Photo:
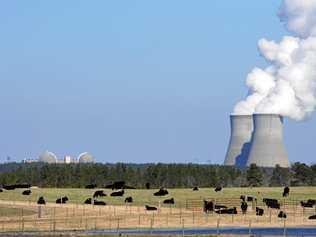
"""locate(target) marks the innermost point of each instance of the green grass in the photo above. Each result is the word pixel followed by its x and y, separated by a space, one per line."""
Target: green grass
pixel 142 197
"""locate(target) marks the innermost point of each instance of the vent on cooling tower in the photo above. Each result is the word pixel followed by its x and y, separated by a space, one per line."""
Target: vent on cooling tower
pixel 267 149
pixel 239 144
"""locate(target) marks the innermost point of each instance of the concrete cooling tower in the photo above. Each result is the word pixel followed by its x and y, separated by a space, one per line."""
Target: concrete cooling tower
pixel 239 144
pixel 267 149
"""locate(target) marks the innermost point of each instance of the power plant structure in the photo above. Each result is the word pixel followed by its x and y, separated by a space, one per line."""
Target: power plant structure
pixel 256 139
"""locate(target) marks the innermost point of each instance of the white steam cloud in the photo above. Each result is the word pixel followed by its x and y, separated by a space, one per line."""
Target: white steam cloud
pixel 288 85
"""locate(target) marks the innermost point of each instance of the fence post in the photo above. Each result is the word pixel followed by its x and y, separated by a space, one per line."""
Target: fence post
pixel 249 228
pixel 217 226
pixel 284 228
pixel 182 228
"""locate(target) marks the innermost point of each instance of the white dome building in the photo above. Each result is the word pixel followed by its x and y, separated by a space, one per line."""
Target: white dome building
pixel 85 158
pixel 48 157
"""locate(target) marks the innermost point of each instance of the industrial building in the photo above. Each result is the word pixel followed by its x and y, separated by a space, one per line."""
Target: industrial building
pixel 256 139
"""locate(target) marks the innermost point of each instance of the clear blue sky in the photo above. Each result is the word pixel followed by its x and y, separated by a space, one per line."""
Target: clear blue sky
pixel 131 81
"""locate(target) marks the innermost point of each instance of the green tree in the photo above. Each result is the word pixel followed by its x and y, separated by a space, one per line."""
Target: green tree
pixel 254 176
pixel 280 177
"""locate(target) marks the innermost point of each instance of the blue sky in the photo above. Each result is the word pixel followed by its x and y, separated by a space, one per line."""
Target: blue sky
pixel 132 81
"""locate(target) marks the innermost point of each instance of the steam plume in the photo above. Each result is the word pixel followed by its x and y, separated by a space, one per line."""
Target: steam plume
pixel 288 85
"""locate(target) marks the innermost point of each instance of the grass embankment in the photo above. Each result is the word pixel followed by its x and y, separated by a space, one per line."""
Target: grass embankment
pixel 142 196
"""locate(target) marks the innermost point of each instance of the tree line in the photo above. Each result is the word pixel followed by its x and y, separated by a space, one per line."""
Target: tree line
pixel 158 175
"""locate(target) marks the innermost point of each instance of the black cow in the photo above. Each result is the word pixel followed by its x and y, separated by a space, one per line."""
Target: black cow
pixel 1 190
pixel 218 189
pixel 99 193
pixel 208 206
pixel 161 192
pixel 9 187
pixel 244 207
pixel 282 214
pixel 41 201
pixel 313 217
pixel 218 206
pixel 23 185
pixel 272 203
pixel 259 211
pixel 243 198
pixel 116 185
pixel 232 211
pixel 91 186
pixel 286 192
pixel 62 200
pixel 99 203
pixel 150 208
pixel 129 200
pixel 26 192
pixel 195 189
pixel 147 185
pixel 169 201
pixel 88 201
pixel 251 199
pixel 117 194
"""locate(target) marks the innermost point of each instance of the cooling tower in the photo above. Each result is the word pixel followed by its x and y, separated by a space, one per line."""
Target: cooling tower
pixel 239 144
pixel 267 149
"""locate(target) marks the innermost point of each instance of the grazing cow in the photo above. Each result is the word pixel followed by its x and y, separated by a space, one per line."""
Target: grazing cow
pixel 62 200
pixel 232 211
pixel 244 207
pixel 195 189
pixel 313 217
pixel 208 206
pixel 9 187
pixel 282 214
pixel 91 186
pixel 169 201
pixel 161 192
pixel 99 203
pixel 150 208
pixel 23 185
pixel 310 203
pixel 286 192
pixel 259 211
pixel 99 193
pixel 41 201
pixel 218 189
pixel 116 185
pixel 217 206
pixel 1 190
pixel 147 185
pixel 243 198
pixel 88 201
pixel 117 194
pixel 128 200
pixel 272 203
pixel 26 192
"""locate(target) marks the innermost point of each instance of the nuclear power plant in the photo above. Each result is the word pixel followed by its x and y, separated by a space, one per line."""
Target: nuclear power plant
pixel 256 139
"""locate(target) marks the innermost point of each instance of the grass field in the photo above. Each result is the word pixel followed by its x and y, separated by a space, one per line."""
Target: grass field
pixel 142 197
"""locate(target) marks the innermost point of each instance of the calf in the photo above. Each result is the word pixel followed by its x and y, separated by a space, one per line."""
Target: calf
pixel 244 207
pixel 117 194
pixel 195 189
pixel 208 206
pixel 282 214
pixel 218 189
pixel 313 217
pixel 161 192
pixel 62 200
pixel 231 211
pixel 169 201
pixel 41 201
pixel 150 208
pixel 99 203
pixel 259 211
pixel 91 186
pixel 26 192
pixel 286 192
pixel 88 201
pixel 99 193
pixel 128 200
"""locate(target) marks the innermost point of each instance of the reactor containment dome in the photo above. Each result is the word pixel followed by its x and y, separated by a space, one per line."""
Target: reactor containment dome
pixel 85 157
pixel 47 157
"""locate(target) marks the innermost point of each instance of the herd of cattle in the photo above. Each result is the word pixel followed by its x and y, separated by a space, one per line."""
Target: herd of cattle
pixel 208 206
